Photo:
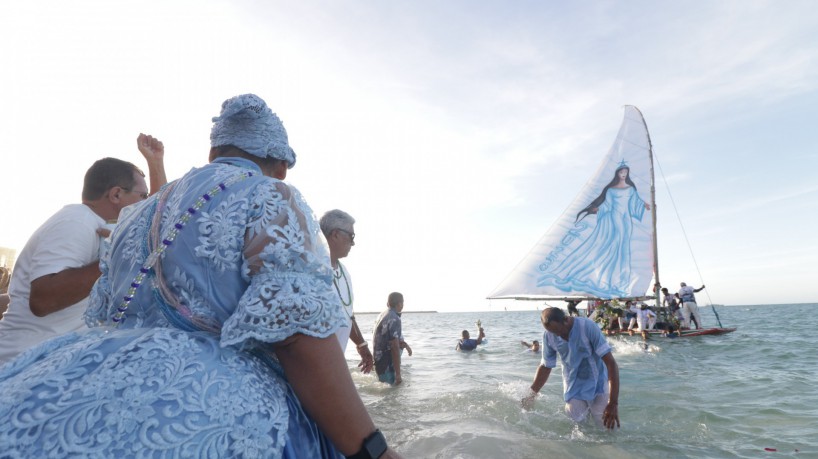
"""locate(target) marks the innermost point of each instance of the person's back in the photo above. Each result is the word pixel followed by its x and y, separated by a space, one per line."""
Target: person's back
pixel 202 253
pixel 468 344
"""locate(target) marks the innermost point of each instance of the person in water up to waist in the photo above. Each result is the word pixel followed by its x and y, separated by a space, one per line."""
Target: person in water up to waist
pixel 589 371
pixel 468 344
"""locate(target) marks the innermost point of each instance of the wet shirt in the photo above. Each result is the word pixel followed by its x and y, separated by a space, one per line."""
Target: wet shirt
pixel 584 375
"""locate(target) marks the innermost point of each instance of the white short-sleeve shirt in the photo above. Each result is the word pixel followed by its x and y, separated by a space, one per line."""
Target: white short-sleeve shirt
pixel 66 240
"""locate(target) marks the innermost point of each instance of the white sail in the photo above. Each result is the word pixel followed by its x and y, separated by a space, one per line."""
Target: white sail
pixel 603 245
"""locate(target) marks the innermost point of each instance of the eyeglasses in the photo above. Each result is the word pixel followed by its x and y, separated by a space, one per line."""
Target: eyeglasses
pixel 141 194
pixel 351 235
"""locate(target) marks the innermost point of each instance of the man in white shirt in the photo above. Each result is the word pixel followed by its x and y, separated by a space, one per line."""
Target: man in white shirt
pixel 59 264
pixel 339 231
pixel 689 306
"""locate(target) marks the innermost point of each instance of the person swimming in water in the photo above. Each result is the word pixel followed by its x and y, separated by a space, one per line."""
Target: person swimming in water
pixel 468 344
pixel 533 347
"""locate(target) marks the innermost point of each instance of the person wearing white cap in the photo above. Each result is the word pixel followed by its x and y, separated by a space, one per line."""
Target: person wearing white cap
pixel 217 317
pixel 689 306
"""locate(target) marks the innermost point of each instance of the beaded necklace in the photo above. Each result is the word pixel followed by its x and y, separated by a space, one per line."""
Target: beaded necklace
pixel 168 239
pixel 338 275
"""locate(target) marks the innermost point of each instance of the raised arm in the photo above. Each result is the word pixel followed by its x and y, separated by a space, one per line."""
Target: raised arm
pixel 154 152
pixel 480 336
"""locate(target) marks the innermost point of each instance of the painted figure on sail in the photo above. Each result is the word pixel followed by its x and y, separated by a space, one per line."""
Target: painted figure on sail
pixel 601 264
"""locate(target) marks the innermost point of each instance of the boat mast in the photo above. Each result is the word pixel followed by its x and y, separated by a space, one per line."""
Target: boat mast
pixel 657 284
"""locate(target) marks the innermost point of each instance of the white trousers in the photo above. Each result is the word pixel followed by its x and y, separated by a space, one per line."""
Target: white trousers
pixel 689 307
pixel 578 410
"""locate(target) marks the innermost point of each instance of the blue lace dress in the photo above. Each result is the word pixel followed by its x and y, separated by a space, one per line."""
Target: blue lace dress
pixel 188 373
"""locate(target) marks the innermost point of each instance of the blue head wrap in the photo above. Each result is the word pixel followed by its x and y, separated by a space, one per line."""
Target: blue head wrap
pixel 247 123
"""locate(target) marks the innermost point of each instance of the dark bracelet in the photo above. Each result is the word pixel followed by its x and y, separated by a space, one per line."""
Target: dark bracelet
pixel 374 446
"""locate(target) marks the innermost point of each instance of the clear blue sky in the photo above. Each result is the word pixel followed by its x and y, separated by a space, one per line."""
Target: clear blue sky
pixel 454 132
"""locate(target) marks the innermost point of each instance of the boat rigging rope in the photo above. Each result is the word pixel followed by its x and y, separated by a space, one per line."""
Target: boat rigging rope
pixel 684 233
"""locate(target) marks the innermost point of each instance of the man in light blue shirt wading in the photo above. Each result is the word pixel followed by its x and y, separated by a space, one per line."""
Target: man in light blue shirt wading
pixel 588 367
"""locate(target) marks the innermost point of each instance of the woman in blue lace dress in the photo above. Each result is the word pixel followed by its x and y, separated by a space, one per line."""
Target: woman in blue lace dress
pixel 211 326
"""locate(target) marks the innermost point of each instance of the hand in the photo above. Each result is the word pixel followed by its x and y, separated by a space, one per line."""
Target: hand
pixel 610 417
pixel 398 380
pixel 104 232
pixel 403 345
pixel 151 148
pixel 367 362
pixel 528 401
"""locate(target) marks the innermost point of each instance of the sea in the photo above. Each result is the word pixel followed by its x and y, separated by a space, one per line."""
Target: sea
pixel 747 394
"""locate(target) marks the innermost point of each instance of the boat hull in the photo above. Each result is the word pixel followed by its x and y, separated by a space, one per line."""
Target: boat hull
pixel 684 333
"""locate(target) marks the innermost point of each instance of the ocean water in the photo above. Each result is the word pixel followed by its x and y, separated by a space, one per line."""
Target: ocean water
pixel 747 394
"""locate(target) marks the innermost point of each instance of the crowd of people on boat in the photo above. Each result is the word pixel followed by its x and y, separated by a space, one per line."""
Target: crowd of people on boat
pixel 675 311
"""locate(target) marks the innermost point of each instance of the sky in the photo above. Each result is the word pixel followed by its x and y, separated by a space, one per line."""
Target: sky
pixel 455 133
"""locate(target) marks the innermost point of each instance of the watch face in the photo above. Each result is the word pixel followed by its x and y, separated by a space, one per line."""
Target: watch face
pixel 375 445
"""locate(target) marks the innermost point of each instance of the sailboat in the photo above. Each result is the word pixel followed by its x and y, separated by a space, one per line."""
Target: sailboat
pixel 604 246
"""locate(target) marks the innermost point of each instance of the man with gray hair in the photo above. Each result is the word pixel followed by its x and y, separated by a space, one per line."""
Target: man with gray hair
pixel 339 230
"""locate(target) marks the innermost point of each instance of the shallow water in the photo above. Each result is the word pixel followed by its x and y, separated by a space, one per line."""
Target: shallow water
pixel 713 396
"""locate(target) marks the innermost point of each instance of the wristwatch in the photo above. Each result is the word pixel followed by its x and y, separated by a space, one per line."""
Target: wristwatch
pixel 374 446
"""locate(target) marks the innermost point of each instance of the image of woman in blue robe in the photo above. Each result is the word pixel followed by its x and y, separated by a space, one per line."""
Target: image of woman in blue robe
pixel 212 326
pixel 601 264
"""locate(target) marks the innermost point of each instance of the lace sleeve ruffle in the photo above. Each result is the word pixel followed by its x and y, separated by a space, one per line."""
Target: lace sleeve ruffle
pixel 290 287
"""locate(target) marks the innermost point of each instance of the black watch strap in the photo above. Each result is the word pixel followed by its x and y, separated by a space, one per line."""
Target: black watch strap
pixel 374 446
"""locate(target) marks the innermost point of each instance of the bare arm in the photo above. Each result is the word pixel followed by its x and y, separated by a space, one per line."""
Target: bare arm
pixel 367 362
pixel 403 345
pixel 540 379
pixel 395 345
pixel 154 152
pixel 610 417
pixel 55 292
pixel 316 369
pixel 480 336
pixel 699 289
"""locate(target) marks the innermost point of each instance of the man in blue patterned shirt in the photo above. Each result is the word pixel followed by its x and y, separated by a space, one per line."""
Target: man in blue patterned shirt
pixel 386 341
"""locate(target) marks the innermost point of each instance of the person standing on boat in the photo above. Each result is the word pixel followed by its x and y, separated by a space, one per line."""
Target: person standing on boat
pixel 669 301
pixel 572 308
pixel 55 271
pixel 589 371
pixel 339 230
pixel 689 306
